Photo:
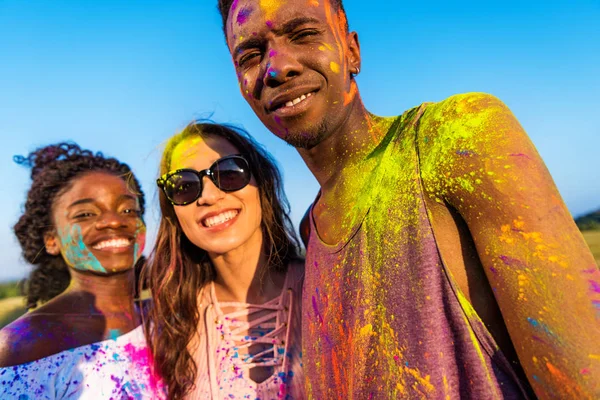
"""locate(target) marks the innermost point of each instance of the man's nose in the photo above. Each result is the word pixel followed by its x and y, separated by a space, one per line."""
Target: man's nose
pixel 282 65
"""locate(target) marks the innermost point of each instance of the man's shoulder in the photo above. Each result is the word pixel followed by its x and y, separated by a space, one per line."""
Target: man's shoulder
pixel 468 100
pixel 456 108
pixel 461 105
pixel 461 116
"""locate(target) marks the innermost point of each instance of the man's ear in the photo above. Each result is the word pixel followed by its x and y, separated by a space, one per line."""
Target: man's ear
pixel 51 243
pixel 354 59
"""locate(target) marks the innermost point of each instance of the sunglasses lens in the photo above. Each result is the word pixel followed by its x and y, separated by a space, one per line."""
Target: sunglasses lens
pixel 183 187
pixel 232 174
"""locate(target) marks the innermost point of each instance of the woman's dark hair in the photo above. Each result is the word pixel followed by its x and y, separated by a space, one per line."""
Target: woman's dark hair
pixel 225 5
pixel 178 270
pixel 54 168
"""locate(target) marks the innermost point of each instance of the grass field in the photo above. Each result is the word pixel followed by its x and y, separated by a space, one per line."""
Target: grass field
pixel 12 308
pixel 593 240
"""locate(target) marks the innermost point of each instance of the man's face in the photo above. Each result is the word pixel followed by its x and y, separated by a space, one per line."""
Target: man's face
pixel 294 61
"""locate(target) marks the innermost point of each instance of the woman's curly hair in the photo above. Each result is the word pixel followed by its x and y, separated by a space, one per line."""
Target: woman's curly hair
pixel 53 170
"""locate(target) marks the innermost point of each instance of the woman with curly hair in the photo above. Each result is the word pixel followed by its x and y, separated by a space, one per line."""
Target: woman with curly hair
pixel 83 232
pixel 225 273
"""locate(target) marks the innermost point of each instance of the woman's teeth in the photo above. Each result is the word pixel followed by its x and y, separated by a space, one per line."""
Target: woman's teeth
pixel 297 100
pixel 219 219
pixel 112 243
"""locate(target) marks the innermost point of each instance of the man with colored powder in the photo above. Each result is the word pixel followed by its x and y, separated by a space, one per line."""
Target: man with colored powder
pixel 442 261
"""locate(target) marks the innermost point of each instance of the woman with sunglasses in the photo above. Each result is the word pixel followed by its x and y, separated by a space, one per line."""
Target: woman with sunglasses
pixel 225 273
pixel 82 229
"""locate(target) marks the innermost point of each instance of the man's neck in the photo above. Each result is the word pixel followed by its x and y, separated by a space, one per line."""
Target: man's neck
pixel 344 164
pixel 346 147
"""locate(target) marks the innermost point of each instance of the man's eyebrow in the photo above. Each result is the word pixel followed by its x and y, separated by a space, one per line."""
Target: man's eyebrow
pixel 290 26
pixel 250 43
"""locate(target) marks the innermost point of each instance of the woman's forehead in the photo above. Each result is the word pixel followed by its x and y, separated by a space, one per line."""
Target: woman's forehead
pixel 194 151
pixel 95 185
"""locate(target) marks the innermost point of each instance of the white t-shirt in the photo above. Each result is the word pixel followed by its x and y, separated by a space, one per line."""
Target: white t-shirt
pixel 115 369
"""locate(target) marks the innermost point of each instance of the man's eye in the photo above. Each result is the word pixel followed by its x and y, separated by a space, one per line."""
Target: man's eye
pixel 247 57
pixel 304 34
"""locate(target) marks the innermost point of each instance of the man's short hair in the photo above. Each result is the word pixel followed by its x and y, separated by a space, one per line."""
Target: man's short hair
pixel 225 5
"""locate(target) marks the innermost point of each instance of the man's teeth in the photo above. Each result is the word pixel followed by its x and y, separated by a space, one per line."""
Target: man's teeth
pixel 112 243
pixel 219 219
pixel 297 100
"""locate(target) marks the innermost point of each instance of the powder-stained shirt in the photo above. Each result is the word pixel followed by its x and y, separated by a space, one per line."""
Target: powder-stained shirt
pixel 220 348
pixel 382 315
pixel 111 369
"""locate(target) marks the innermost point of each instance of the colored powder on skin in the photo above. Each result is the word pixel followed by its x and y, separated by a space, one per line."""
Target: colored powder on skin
pixel 140 240
pixel 336 29
pixel 569 387
pixel 349 96
pixel 76 253
pixel 270 7
pixel 512 262
pixel 538 339
pixel 520 155
pixel 113 334
pixel 594 286
pixel 243 15
pixel 334 67
pixel 456 138
pixel 543 327
pixel 325 46
pixel 184 154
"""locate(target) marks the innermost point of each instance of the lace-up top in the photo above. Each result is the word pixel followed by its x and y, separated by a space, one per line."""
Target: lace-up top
pixel 227 331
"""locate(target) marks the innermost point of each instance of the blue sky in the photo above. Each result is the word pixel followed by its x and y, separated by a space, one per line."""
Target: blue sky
pixel 121 77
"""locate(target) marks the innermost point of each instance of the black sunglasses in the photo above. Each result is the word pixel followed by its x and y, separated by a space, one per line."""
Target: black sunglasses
pixel 184 186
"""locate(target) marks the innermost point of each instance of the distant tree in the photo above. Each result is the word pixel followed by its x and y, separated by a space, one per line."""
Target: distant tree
pixel 9 289
pixel 589 221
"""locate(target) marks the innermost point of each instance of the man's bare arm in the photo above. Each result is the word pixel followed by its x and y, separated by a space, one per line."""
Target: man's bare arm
pixel 477 157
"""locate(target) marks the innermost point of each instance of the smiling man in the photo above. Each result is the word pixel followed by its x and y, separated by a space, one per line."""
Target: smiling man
pixel 441 261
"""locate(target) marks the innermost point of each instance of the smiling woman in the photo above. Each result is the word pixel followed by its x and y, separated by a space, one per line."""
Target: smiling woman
pixel 225 274
pixel 83 231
